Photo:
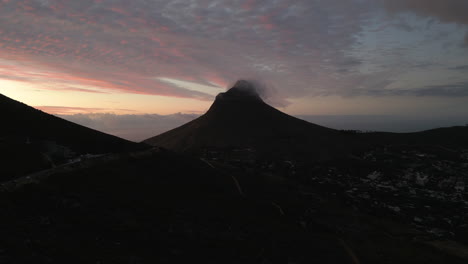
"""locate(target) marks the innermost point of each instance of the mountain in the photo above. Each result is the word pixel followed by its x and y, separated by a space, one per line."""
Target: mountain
pixel 239 118
pixel 32 140
pixel 154 205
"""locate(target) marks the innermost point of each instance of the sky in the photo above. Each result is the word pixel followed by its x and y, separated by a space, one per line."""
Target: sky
pixel 120 61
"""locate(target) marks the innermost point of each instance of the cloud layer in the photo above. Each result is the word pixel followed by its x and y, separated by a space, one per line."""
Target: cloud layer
pixel 299 48
pixel 451 11
pixel 131 127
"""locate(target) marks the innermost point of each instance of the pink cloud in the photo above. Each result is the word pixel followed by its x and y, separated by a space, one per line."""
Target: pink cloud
pixel 119 10
pixel 266 22
pixel 122 46
pixel 248 5
pixel 67 110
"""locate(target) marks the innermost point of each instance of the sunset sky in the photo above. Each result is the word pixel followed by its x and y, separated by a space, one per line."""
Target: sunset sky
pixel 139 58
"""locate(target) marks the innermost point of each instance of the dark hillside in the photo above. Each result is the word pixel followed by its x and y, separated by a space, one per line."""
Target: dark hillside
pixel 159 207
pixel 31 140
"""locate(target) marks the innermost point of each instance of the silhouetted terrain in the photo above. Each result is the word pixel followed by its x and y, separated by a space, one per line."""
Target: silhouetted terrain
pixel 239 118
pixel 246 183
pixel 160 207
pixel 447 137
pixel 31 140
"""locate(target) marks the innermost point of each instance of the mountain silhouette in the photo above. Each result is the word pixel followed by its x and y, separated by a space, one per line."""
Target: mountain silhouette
pixel 31 140
pixel 239 118
pixel 155 205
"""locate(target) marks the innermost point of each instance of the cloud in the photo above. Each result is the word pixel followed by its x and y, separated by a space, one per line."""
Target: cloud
pixel 450 11
pixel 67 110
pixel 447 11
pixel 448 90
pixel 453 90
pixel 459 68
pixel 131 127
pixel 301 48
pixel 123 46
pixel 266 90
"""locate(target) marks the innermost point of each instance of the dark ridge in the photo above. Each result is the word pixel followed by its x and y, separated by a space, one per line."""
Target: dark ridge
pixel 20 120
pixel 32 140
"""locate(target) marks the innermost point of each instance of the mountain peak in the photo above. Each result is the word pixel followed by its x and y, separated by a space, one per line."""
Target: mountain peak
pixel 241 91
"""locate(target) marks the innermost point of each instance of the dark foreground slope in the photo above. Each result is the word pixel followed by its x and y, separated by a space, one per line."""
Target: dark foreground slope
pixel 240 119
pixel 31 140
pixel 158 207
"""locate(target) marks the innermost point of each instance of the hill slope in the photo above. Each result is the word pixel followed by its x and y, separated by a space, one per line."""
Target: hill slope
pixel 31 140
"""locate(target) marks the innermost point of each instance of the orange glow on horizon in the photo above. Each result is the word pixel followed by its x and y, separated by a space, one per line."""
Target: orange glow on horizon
pixel 58 101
